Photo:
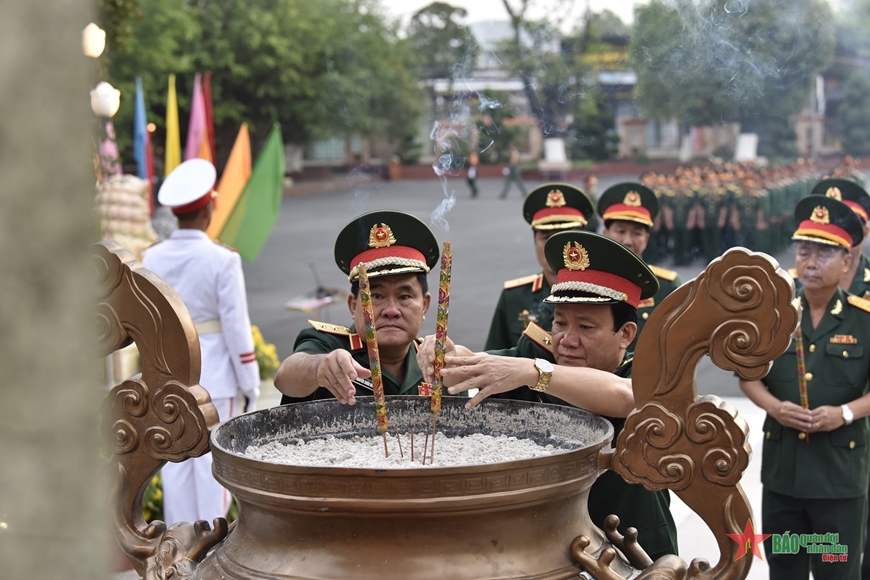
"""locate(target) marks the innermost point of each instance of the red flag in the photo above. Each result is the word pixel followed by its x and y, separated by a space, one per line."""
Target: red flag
pixel 209 115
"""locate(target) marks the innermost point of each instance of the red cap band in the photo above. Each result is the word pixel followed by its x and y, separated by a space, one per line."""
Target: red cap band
pixel 621 211
pixel 195 204
pixel 604 279
pixel 856 207
pixel 401 252
pixel 568 212
pixel 828 232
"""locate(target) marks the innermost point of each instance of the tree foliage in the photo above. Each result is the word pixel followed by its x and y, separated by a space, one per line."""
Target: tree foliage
pixel 550 78
pixel 444 47
pixel 707 61
pixel 320 69
pixel 855 115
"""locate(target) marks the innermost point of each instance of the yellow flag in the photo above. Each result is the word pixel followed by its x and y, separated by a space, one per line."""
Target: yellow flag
pixel 232 183
pixel 173 134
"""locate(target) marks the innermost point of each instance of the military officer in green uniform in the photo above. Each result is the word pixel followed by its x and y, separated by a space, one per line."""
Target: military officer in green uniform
pixel 598 288
pixel 398 251
pixel 682 203
pixel 550 208
pixel 815 465
pixel 629 211
pixel 857 279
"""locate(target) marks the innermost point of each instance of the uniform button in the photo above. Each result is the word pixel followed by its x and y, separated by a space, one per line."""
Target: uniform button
pixel 767 435
pixel 812 348
pixel 851 445
pixel 808 376
pixel 802 436
pixel 845 354
pixel 645 315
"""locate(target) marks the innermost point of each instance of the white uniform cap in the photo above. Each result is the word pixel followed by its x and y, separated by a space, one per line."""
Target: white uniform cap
pixel 188 183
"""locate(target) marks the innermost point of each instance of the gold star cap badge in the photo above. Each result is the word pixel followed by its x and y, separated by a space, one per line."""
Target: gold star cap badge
pixel 835 193
pixel 556 199
pixel 381 236
pixel 820 215
pixel 575 256
pixel 632 198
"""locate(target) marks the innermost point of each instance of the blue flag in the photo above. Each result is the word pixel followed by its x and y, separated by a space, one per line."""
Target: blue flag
pixel 140 133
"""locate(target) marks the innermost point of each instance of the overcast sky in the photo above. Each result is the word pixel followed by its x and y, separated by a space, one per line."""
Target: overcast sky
pixel 494 9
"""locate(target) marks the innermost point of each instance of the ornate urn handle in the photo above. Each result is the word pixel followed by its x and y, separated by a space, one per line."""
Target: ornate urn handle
pixel 742 311
pixel 162 415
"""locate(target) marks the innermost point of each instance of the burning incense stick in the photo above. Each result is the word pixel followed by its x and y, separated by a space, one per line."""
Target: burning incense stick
pixel 374 355
pixel 440 336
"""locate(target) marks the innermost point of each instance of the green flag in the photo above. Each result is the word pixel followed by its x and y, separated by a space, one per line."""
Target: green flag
pixel 256 212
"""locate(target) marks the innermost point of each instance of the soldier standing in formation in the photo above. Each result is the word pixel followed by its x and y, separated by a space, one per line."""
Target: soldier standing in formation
pixel 815 464
pixel 629 211
pixel 208 277
pixel 550 208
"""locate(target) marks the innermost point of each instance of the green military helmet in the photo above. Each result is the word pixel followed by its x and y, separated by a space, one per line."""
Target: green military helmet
pixel 824 220
pixel 593 269
pixel 848 192
pixel 629 201
pixel 387 242
pixel 557 206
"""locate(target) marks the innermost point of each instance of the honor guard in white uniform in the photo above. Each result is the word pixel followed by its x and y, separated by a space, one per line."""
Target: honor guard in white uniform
pixel 208 277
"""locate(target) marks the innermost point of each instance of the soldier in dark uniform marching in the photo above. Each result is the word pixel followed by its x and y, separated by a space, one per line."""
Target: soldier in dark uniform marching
pixel 629 211
pixel 815 465
pixel 550 208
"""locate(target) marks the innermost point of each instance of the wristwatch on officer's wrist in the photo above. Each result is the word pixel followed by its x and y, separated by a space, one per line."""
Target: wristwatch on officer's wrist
pixel 545 373
pixel 848 415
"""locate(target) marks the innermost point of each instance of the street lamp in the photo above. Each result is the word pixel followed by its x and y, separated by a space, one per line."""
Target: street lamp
pixel 105 100
pixel 93 40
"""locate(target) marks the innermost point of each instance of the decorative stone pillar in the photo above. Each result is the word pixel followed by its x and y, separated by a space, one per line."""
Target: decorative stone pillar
pixel 52 497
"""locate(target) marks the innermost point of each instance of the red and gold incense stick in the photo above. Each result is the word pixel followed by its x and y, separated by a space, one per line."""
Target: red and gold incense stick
pixel 802 370
pixel 440 336
pixel 374 355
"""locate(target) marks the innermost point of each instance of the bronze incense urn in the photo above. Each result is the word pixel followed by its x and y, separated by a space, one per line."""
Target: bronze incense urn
pixel 509 520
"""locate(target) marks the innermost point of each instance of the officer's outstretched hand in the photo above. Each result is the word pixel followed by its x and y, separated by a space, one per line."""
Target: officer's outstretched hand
pixel 426 355
pixel 336 371
pixel 490 374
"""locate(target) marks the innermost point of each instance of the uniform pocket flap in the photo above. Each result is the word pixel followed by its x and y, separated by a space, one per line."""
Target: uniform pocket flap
pixel 848 437
pixel 845 351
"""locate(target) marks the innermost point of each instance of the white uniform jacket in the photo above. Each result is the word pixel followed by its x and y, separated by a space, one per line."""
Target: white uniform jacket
pixel 209 279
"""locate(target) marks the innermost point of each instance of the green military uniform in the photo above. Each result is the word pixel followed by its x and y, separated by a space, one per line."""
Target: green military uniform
pixel 682 203
pixel 636 203
pixel 817 483
pixel 668 282
pixel 324 338
pixel 549 208
pixel 648 511
pixel 828 474
pixel 713 200
pixel 861 282
pixel 521 302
